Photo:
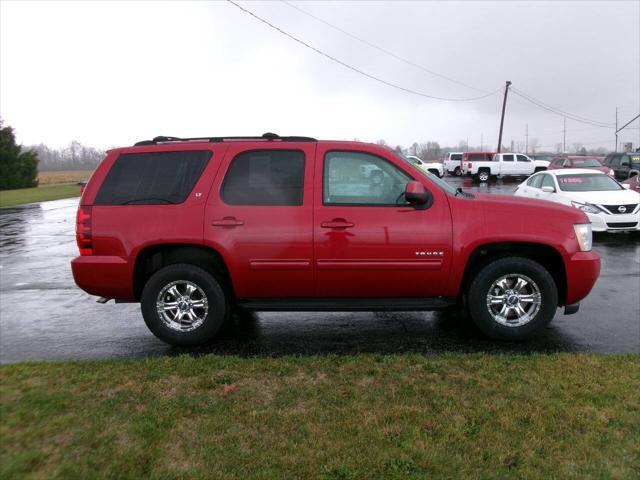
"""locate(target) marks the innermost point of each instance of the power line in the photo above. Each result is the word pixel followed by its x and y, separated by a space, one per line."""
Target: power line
pixel 557 111
pixel 381 49
pixel 352 68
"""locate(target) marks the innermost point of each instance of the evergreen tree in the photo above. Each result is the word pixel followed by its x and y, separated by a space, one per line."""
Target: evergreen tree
pixel 18 169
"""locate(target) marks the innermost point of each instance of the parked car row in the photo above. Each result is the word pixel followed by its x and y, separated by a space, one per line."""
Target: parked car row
pixel 482 166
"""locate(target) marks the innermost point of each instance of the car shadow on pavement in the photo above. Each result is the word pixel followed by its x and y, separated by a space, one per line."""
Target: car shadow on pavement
pixel 269 334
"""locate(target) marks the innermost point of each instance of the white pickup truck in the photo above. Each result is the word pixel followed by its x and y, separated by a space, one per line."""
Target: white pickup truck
pixel 453 163
pixel 502 165
pixel 435 168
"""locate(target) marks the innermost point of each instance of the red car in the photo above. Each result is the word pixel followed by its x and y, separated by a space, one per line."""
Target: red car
pixel 578 161
pixel 195 228
pixel 633 182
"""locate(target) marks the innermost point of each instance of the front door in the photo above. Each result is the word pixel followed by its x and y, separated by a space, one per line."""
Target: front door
pixel 367 241
pixel 259 216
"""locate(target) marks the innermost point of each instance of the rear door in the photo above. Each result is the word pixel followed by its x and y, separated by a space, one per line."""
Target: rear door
pixel 367 241
pixel 508 165
pixel 259 216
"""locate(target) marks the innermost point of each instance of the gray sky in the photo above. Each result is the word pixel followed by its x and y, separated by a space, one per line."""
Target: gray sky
pixel 112 73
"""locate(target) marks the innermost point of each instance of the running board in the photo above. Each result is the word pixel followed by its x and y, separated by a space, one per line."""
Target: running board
pixel 345 304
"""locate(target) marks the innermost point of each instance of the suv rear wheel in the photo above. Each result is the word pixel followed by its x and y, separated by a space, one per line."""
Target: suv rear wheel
pixel 183 305
pixel 457 172
pixel 512 298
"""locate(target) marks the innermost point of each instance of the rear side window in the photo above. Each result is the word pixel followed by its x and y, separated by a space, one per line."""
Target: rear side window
pixel 508 158
pixel 456 156
pixel 156 178
pixel 265 177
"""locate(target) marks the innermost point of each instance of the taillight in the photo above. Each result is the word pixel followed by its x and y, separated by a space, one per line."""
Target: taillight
pixel 469 165
pixel 83 231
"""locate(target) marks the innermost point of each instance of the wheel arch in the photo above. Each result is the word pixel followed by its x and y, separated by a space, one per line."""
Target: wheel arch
pixel 154 257
pixel 546 255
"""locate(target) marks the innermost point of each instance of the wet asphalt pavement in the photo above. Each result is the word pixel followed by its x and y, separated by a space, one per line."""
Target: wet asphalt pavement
pixel 44 316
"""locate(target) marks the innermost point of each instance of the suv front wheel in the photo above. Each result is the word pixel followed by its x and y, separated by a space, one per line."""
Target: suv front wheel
pixel 512 298
pixel 183 305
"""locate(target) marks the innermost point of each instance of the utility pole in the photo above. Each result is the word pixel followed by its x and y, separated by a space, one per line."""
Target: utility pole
pixel 526 142
pixel 616 147
pixel 564 136
pixel 481 142
pixel 504 105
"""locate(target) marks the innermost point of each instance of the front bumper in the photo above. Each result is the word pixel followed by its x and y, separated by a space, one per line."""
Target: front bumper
pixel 582 269
pixel 602 222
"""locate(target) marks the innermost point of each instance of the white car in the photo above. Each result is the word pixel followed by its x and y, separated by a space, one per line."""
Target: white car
pixel 435 168
pixel 609 206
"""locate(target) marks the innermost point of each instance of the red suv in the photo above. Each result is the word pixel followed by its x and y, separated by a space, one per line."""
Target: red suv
pixel 195 228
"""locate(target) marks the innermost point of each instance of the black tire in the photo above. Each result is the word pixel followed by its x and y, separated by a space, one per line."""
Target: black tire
pixel 217 309
pixel 457 172
pixel 539 169
pixel 483 282
pixel 484 176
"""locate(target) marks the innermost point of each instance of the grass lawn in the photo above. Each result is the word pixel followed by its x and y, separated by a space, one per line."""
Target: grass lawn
pixel 331 417
pixel 38 194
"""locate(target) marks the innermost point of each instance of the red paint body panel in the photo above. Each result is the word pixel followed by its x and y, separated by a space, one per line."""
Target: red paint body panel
pixel 270 254
pixel 317 250
pixel 379 255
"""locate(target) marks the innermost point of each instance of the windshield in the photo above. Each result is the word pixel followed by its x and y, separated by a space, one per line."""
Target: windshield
pixel 591 182
pixel 441 183
pixel 586 162
pixel 635 161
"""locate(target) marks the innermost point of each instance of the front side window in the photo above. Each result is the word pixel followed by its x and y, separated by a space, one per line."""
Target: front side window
pixel 157 178
pixel 355 178
pixel 265 177
pixel 522 158
pixel 547 181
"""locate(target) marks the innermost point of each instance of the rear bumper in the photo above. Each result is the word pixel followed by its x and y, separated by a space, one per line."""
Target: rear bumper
pixel 583 269
pixel 104 276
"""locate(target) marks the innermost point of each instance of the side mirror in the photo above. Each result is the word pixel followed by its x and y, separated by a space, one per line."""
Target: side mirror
pixel 417 195
pixel 548 189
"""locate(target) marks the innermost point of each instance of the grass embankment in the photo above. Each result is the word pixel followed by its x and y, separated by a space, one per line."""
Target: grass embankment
pixel 367 416
pixel 42 193
pixel 51 186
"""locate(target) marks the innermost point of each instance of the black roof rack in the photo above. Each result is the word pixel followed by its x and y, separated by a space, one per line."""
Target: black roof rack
pixel 265 137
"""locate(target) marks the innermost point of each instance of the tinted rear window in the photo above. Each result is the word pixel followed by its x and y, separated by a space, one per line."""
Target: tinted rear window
pixel 456 156
pixel 479 157
pixel 265 177
pixel 152 178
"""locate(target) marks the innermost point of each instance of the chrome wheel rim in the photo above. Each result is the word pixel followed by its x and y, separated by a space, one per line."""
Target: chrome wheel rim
pixel 514 300
pixel 484 176
pixel 182 305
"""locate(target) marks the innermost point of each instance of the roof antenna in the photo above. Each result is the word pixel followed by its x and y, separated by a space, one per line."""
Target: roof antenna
pixel 270 136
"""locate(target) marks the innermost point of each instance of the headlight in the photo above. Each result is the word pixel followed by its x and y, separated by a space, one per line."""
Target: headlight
pixel 585 207
pixel 612 173
pixel 584 236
